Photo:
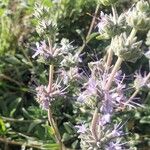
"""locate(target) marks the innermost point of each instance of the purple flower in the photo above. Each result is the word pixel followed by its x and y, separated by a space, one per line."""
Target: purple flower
pixel 91 87
pixel 114 146
pixel 117 131
pixel 40 49
pixel 82 97
pixel 103 22
pixel 42 97
pixel 141 81
pixel 81 128
pixel 107 105
pixel 106 118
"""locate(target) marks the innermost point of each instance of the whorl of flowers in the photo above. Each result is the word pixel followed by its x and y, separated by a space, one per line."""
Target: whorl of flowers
pixel 108 102
pixel 60 54
pixel 44 97
pixel 110 25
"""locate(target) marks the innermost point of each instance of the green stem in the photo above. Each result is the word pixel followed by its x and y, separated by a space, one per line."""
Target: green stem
pixel 50 81
pixel 118 63
pixel 111 77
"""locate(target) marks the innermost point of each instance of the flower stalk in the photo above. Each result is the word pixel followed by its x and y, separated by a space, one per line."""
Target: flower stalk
pixel 94 124
pixel 50 116
pixel 110 51
pixel 111 77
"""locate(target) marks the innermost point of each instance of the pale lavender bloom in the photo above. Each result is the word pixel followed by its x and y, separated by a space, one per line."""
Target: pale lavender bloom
pixel 103 22
pixel 117 76
pixel 57 89
pixel 91 90
pixel 114 146
pixel 117 131
pixel 92 87
pixel 81 128
pixel 82 97
pixel 42 97
pixel 41 49
pixel 141 81
pixel 71 74
pixel 106 118
pixel 107 105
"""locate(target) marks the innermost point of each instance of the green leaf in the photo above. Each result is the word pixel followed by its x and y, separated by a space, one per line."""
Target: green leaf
pixel 51 147
pixel 14 105
pixel 67 137
pixel 69 127
pixel 91 36
pixel 2 127
pixel 145 119
pixel 33 125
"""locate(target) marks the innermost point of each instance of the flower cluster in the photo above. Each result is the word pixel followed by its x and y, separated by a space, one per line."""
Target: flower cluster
pixel 104 91
pixel 139 16
pixel 126 48
pixel 108 103
pixel 110 25
pixel 44 97
pixel 61 54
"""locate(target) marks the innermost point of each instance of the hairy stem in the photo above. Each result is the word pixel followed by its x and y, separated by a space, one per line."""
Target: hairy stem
pixel 109 58
pixel 94 124
pixel 50 116
pixel 111 77
pixel 110 51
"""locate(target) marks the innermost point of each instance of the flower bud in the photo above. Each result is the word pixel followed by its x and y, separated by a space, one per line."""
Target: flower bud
pixel 139 17
pixel 108 27
pixel 127 49
pixel 143 6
